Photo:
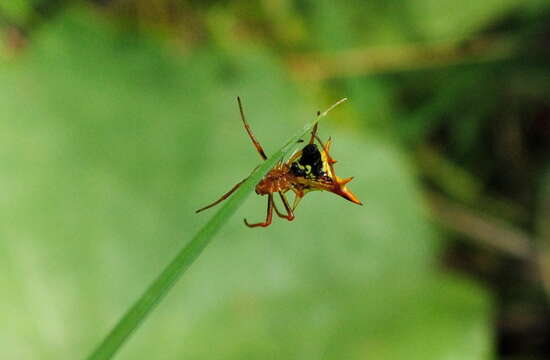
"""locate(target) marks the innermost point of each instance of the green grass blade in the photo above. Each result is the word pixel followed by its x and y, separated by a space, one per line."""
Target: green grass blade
pixel 186 256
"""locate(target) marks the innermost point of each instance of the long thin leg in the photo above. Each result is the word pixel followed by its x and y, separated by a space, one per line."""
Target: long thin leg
pixel 249 131
pixel 313 133
pixel 289 214
pixel 269 214
pixel 298 196
pixel 224 196
pixel 279 214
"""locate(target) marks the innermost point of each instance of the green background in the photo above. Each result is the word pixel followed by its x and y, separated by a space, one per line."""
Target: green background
pixel 111 137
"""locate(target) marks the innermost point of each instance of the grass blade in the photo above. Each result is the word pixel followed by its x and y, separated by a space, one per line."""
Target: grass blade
pixel 186 256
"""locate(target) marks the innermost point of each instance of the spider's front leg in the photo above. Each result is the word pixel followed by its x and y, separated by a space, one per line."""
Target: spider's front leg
pixel 255 141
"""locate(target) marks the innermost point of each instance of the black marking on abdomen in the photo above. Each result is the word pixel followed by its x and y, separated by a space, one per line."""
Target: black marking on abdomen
pixel 310 164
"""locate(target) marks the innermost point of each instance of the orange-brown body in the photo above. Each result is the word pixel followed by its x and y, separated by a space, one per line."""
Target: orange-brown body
pixel 277 179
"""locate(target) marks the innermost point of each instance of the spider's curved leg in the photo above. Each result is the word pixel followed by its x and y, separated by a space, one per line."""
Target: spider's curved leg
pixel 298 195
pixel 224 196
pixel 268 217
pixel 314 132
pixel 249 131
pixel 289 213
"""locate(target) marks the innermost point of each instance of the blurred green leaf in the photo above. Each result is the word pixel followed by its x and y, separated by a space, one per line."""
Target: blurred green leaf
pixel 437 19
pixel 17 9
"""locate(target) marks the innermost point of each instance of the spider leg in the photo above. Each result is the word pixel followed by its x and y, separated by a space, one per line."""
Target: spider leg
pixel 279 214
pixel 298 195
pixel 314 132
pixel 289 213
pixel 269 216
pixel 249 131
pixel 224 196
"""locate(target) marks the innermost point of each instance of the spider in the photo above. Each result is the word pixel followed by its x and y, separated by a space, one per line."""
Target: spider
pixel 309 169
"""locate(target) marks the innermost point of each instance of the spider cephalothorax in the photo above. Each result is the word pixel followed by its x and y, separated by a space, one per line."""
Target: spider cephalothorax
pixel 310 169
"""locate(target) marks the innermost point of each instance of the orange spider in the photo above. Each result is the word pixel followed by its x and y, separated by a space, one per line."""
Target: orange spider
pixel 307 170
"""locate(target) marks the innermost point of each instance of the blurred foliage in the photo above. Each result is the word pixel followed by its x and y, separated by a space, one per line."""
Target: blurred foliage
pixel 119 120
